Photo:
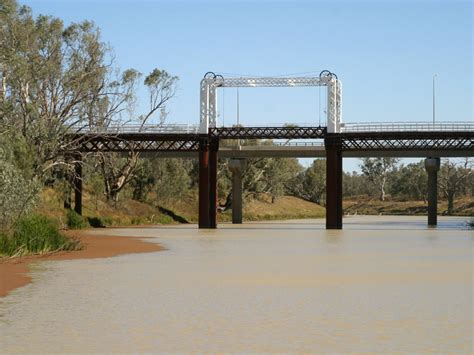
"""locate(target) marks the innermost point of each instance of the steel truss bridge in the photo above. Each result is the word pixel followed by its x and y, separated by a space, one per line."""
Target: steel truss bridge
pixel 334 141
pixel 443 141
pixel 445 137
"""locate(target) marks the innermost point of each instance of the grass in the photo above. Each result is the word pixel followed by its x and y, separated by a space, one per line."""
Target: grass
pixel 286 207
pixel 99 213
pixel 35 234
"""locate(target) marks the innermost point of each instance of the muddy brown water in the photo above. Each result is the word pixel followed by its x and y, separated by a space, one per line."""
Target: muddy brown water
pixel 382 284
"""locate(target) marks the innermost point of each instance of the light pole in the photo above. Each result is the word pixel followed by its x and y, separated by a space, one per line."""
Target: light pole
pixel 434 99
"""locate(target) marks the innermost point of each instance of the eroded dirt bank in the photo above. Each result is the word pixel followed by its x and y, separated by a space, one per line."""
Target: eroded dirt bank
pixel 14 272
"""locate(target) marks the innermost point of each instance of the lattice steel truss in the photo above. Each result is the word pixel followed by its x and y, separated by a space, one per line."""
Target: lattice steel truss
pixel 404 141
pixel 211 82
pixel 349 142
pixel 139 143
pixel 267 132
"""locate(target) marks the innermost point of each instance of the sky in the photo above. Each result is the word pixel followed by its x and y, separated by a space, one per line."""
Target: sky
pixel 384 52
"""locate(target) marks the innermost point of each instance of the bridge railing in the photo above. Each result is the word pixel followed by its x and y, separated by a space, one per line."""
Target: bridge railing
pixel 299 144
pixel 407 126
pixel 134 128
pixel 345 127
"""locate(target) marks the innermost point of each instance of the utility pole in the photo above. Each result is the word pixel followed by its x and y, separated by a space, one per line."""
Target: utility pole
pixel 434 99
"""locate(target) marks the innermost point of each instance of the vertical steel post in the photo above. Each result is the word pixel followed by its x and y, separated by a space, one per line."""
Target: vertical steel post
pixel 204 183
pixel 214 147
pixel 78 183
pixel 333 183
pixel 432 166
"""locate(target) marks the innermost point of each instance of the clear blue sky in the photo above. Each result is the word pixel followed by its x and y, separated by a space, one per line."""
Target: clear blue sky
pixel 384 52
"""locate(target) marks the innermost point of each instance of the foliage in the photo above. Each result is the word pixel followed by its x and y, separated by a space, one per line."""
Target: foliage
pixel 310 184
pixel 18 193
pixel 453 179
pixel 172 177
pixel 377 171
pixel 410 182
pixel 75 221
pixel 34 234
pixel 51 76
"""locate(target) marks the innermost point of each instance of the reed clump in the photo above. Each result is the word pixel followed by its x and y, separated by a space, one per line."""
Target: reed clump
pixel 35 234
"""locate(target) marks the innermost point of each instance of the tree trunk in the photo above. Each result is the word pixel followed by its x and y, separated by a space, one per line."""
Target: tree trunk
pixel 382 190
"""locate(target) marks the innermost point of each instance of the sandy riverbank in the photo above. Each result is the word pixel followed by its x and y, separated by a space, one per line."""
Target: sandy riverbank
pixel 14 272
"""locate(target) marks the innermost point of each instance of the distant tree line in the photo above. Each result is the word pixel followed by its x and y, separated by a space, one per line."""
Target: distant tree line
pixel 378 178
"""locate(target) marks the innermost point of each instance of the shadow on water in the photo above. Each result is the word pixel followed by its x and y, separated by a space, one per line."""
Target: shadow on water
pixel 311 225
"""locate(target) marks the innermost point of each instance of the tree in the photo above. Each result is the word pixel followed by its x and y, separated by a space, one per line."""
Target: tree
pixel 117 171
pixel 49 76
pixel 377 171
pixel 452 179
pixel 18 191
pixel 410 181
pixel 310 184
pixel 57 80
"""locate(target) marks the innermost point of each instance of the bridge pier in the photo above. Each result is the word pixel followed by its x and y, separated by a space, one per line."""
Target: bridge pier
pixel 432 166
pixel 333 184
pixel 214 148
pixel 77 182
pixel 204 183
pixel 236 166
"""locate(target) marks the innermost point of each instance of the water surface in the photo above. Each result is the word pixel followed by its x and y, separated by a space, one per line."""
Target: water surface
pixel 381 284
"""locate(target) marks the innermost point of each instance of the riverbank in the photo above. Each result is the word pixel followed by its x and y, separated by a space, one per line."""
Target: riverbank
pixel 14 271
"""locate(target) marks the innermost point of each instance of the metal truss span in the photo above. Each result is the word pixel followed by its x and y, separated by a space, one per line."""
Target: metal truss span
pixel 139 143
pixel 404 141
pixel 267 132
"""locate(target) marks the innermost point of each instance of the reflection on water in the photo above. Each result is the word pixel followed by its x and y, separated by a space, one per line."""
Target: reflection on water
pixel 381 284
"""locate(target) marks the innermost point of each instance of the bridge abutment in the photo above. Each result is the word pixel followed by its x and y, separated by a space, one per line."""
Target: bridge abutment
pixel 432 166
pixel 236 166
pixel 333 183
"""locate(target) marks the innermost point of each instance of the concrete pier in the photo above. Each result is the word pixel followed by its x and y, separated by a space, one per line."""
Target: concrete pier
pixel 77 180
pixel 213 149
pixel 236 166
pixel 432 167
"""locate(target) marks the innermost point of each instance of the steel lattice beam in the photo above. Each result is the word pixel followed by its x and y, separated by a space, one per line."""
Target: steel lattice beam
pixel 138 142
pixel 268 132
pixel 405 141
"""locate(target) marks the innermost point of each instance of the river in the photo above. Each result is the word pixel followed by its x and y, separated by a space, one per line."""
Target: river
pixel 382 284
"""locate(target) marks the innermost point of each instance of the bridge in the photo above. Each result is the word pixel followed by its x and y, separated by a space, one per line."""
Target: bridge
pixel 334 141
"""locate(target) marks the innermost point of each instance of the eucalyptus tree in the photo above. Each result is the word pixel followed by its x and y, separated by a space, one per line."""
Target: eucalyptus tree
pixel 377 171
pixel 118 171
pixel 453 177
pixel 50 75
pixel 56 80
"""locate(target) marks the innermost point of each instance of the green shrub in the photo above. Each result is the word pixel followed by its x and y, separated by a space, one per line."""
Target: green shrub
pixel 35 234
pixel 75 220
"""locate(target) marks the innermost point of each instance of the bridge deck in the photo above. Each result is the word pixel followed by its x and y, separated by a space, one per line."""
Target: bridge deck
pixel 352 144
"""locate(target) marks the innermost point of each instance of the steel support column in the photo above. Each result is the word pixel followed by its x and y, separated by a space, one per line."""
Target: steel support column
pixel 333 184
pixel 204 183
pixel 432 167
pixel 214 147
pixel 77 180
